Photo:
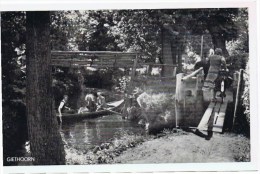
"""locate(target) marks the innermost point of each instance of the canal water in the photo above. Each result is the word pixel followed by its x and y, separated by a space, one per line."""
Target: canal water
pixel 92 132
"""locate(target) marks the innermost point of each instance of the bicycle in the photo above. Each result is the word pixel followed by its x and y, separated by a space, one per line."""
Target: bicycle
pixel 221 84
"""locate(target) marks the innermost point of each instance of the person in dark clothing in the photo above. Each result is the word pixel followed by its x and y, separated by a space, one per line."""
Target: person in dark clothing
pixel 217 62
pixel 205 64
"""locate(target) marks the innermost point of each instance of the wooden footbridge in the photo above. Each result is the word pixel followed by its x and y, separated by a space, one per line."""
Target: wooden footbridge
pixel 128 61
pixel 211 118
pixel 96 59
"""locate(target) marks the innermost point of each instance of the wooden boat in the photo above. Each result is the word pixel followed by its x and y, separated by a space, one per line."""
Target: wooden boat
pixel 77 116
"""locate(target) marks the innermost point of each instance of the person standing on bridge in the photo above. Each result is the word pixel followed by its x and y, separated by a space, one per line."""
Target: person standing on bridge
pixel 204 64
pixel 217 62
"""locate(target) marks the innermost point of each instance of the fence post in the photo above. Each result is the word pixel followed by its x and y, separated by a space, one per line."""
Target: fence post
pixel 129 88
pixel 180 85
pixel 179 98
pixel 238 96
pixel 200 80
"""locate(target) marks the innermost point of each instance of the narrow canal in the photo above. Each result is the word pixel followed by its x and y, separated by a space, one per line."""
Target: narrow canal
pixel 91 132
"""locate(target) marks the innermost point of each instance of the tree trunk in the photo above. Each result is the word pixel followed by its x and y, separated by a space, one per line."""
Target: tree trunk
pixel 45 140
pixel 168 53
pixel 218 39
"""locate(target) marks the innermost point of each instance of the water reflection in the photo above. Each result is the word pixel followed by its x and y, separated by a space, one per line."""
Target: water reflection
pixel 91 132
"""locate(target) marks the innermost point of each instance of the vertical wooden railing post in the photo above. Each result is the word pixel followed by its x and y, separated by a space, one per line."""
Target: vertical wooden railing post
pixel 200 79
pixel 238 96
pixel 201 48
pixel 179 98
pixel 129 88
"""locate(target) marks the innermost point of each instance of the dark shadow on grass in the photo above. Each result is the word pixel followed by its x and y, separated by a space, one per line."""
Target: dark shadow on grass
pixel 197 132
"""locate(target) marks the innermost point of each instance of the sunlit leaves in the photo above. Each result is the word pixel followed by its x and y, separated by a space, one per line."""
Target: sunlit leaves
pixel 136 30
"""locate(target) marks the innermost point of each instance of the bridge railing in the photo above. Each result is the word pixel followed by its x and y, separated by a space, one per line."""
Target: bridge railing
pixel 192 82
pixel 97 59
pixel 189 98
pixel 193 74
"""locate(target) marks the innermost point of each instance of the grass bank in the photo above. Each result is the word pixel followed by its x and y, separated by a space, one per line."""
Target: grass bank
pixel 106 152
pixel 167 147
pixel 186 147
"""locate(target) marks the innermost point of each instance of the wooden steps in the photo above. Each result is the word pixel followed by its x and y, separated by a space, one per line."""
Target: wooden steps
pixel 216 110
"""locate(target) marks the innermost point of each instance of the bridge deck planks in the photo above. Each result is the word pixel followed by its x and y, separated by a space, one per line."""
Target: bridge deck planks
pixel 204 123
pixel 216 110
pixel 219 118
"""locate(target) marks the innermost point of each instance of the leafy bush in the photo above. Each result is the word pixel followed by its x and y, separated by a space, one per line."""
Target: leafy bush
pixel 158 110
pixel 237 62
pixel 246 97
pixel 122 83
pixel 242 123
pixel 13 82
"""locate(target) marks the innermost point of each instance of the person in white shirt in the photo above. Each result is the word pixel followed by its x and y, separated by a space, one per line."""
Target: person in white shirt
pixel 91 100
pixel 62 106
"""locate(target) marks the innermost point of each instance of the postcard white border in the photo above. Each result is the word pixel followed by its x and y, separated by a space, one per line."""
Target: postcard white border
pixel 31 5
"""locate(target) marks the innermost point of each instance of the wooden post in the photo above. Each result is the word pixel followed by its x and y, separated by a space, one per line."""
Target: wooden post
pixel 200 79
pixel 201 48
pixel 176 114
pixel 234 84
pixel 179 59
pixel 134 67
pixel 174 71
pixel 238 96
pixel 180 85
pixel 130 87
pixel 179 98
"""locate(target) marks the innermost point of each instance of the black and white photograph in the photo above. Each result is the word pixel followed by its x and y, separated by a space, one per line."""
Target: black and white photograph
pixel 126 86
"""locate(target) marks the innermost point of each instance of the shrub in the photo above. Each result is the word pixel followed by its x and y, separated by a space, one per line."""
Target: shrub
pixel 246 97
pixel 242 123
pixel 237 62
pixel 158 110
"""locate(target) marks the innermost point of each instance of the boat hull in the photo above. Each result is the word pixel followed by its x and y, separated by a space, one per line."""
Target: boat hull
pixel 89 115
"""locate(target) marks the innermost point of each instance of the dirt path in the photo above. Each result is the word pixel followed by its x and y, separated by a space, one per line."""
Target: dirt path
pixel 187 147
